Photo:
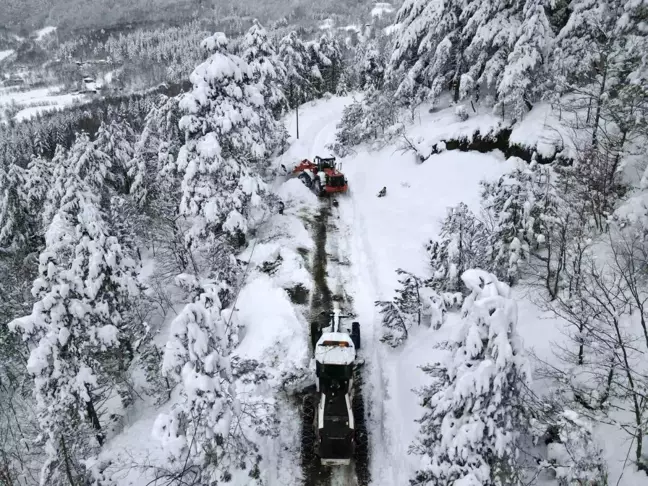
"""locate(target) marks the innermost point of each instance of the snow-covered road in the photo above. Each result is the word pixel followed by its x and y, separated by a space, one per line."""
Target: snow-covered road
pixel 369 239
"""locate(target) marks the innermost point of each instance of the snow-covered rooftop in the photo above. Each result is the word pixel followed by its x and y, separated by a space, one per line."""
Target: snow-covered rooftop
pixel 382 8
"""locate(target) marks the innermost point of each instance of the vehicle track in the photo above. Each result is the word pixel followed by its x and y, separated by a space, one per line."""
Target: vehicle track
pixel 328 263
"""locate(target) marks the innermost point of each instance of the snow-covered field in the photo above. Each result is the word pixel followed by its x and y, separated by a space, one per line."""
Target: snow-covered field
pixel 35 101
pixel 5 54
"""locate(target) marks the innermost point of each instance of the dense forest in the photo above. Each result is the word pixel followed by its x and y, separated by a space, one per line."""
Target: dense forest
pixel 94 197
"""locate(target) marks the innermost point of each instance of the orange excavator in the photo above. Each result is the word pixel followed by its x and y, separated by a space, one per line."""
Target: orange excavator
pixel 322 175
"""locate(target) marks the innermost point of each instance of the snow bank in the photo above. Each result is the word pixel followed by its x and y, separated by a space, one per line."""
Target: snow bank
pixel 430 129
pixel 541 129
pixel 273 333
pixel 294 192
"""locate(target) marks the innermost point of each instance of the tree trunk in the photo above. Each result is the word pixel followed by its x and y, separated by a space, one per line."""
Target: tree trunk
pixel 66 458
pixel 94 418
pixel 599 102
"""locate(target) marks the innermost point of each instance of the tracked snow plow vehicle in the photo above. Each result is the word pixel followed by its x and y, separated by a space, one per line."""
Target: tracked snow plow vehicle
pixel 322 175
pixel 335 359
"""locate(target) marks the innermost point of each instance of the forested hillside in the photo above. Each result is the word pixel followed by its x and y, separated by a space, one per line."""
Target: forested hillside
pixel 159 276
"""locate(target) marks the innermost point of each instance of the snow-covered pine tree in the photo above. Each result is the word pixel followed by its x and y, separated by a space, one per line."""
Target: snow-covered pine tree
pixel 401 313
pixel 156 185
pixel 317 60
pixel 461 245
pixel 415 303
pixel 81 328
pixel 222 124
pixel 56 188
pixel 329 49
pixel 509 203
pixel 17 225
pixel 489 29
pixel 295 57
pixel 371 65
pixel 469 432
pixel 269 76
pixel 116 139
pixel 522 82
pixel 38 178
pixel 428 50
pixel 203 435
pixel 267 68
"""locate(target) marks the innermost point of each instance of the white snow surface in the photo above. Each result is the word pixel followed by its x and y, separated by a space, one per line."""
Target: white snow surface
pixel 381 8
pixel 44 32
pixel 373 236
pixel 5 54
pixel 32 102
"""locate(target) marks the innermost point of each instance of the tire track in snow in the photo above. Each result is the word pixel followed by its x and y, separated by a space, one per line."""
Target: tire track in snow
pixel 364 285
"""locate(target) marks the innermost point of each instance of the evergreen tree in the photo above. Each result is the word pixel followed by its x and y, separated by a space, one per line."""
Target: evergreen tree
pixel 489 29
pixel 461 246
pixel 403 311
pixel 428 55
pixel 223 142
pixel 317 60
pixel 116 139
pixel 330 65
pixel 474 410
pixel 268 75
pixel 154 172
pixel 268 70
pixel 17 225
pixel 204 432
pixel 38 178
pixel 521 84
pixel 510 202
pixel 81 328
pixel 295 57
pixel 371 64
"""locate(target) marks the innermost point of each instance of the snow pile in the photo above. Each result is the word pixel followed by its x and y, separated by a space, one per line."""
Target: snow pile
pixel 541 128
pixel 434 126
pixel 294 192
pixel 273 333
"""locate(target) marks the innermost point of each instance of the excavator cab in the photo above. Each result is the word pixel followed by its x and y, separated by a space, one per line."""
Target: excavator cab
pixel 324 163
